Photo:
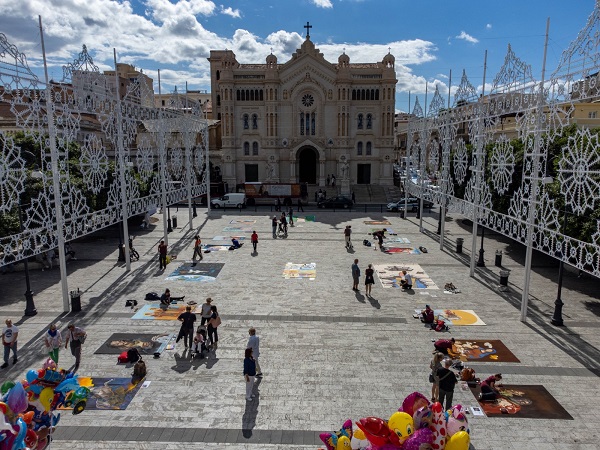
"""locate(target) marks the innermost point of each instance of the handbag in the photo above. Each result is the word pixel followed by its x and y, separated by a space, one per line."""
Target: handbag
pixel 218 321
pixel 431 379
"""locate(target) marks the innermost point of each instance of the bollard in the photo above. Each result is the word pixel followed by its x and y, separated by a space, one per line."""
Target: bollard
pixel 459 244
pixel 174 221
pixel 504 280
pixel 498 261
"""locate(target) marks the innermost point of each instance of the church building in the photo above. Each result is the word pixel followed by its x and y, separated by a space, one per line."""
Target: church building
pixel 304 120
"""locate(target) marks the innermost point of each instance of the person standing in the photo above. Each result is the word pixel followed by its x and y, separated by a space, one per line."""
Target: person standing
pixel 291 216
pixel 249 373
pixel 274 225
pixel 355 275
pixel 443 345
pixel 53 341
pixel 254 344
pixel 283 224
pixel 254 240
pixel 213 324
pixel 9 340
pixel 369 279
pixel 328 180
pixel 347 237
pixel 187 319
pixel 332 180
pixel 206 312
pixel 300 207
pixel 162 255
pixel 353 197
pixel 76 337
pixel 197 248
pixel 435 365
pixel 447 381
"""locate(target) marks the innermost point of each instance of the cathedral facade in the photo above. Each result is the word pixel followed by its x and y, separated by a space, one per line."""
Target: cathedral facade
pixel 304 120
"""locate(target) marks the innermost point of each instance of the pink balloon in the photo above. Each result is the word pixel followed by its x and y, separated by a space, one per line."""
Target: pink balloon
pixel 16 399
pixel 418 438
pixel 438 427
pixel 413 402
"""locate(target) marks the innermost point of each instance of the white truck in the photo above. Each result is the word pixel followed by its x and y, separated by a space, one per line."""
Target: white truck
pixel 231 200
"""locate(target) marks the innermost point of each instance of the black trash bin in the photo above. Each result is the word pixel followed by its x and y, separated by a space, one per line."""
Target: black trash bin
pixel 504 279
pixel 459 244
pixel 174 221
pixel 76 300
pixel 402 214
pixel 498 261
pixel 121 252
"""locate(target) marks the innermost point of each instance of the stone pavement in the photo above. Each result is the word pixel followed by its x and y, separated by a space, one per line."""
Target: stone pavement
pixel 327 353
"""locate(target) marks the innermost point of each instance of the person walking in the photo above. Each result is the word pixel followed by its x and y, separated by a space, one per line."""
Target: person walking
pixel 197 248
pixel 254 344
pixel 188 320
pixel 300 208
pixel 369 279
pixel 447 381
pixel 355 275
pixel 213 325
pixel 53 341
pixel 9 340
pixel 283 224
pixel 328 180
pixel 291 216
pixel 162 255
pixel 254 240
pixel 353 197
pixel 206 311
pixel 435 365
pixel 75 337
pixel 347 237
pixel 274 225
pixel 249 373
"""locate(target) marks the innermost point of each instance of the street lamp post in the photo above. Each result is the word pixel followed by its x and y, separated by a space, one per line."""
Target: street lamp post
pixel 30 309
pixel 480 261
pixel 169 227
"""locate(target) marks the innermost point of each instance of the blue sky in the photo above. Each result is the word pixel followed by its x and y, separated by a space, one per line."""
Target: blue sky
pixel 428 39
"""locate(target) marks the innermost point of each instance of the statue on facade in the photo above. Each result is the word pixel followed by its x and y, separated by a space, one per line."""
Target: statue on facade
pixel 345 169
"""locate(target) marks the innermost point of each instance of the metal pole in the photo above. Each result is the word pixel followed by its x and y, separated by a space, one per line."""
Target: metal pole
pixel 62 262
pixel 163 169
pixel 480 261
pixel 205 141
pixel 423 155
pixel 188 158
pixel 534 184
pixel 406 161
pixel 478 177
pixel 445 179
pixel 121 150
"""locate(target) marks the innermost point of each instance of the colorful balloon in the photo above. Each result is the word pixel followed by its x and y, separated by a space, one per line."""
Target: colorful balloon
pixel 422 417
pixel 413 402
pixel 31 376
pixel 375 429
pixel 339 440
pixel 401 425
pixel 359 440
pixel 438 426
pixel 424 436
pixel 457 421
pixel 6 386
pixel 46 397
pixel 459 441
pixel 16 399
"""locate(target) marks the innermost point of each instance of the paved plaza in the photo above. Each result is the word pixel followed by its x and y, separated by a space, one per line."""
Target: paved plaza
pixel 327 353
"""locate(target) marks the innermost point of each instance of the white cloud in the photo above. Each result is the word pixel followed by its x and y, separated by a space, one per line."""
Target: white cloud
pixel 467 37
pixel 235 13
pixel 323 3
pixel 488 26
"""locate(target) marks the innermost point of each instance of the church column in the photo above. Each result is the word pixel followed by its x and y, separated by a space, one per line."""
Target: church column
pixel 292 171
pixel 322 175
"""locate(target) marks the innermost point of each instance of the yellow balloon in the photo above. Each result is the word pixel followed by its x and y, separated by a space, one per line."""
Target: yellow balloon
pixel 358 434
pixel 402 425
pixel 46 397
pixel 458 441
pixel 343 443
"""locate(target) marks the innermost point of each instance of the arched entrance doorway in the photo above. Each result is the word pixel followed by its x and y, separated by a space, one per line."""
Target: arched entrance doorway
pixel 307 165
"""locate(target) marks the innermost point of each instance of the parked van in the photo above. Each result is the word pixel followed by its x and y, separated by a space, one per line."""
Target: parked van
pixel 231 200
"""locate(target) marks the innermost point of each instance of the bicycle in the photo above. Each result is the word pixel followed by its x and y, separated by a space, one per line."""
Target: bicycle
pixel 132 251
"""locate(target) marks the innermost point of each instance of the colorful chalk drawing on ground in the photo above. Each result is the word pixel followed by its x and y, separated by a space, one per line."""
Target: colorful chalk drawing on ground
pixel 196 272
pixel 390 276
pixel 300 271
pixel 111 393
pixel 229 238
pixel 401 240
pixel 459 317
pixel 490 350
pixel 377 222
pixel 390 249
pixel 240 229
pixel 147 344
pixel 153 311
pixel 242 221
pixel 215 247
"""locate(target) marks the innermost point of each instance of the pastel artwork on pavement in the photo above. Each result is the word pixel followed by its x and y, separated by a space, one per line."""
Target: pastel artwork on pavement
pixel 377 222
pixel 482 350
pixel 238 229
pixel 153 311
pixel 459 317
pixel 391 274
pixel 228 238
pixel 147 344
pixel 242 221
pixel 196 272
pixel 409 250
pixel 111 393
pixel 215 247
pixel 401 240
pixel 300 271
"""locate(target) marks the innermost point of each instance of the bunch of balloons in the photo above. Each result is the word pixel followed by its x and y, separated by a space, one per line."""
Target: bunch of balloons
pixel 27 407
pixel 417 424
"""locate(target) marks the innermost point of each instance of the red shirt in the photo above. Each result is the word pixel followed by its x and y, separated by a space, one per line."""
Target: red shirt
pixel 162 249
pixel 254 237
pixel 444 343
pixel 489 381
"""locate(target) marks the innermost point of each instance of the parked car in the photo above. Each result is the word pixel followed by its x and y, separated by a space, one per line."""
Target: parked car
pixel 412 204
pixel 237 200
pixel 336 202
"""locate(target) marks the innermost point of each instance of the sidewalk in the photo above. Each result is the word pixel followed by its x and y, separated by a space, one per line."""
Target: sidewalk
pixel 328 354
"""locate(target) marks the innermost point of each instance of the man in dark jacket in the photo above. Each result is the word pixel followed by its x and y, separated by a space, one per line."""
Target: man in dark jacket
pixel 447 381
